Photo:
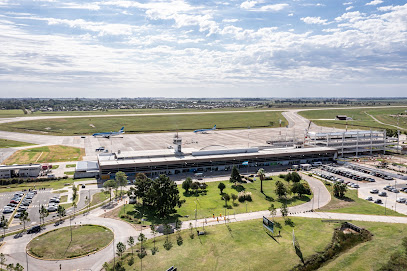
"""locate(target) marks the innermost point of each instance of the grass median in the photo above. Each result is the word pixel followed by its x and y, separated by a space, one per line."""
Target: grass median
pixel 5 143
pixel 57 244
pixel 46 154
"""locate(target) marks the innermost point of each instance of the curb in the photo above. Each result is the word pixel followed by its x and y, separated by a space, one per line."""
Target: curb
pixel 67 259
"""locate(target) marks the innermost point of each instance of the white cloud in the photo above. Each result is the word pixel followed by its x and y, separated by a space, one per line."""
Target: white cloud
pixel 374 3
pixel 349 8
pixel 290 14
pixel 248 4
pixel 253 6
pixel 314 20
pixel 230 20
pixel 275 7
pixel 347 3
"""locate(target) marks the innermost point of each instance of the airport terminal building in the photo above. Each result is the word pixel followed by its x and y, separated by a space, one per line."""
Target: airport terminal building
pixel 176 161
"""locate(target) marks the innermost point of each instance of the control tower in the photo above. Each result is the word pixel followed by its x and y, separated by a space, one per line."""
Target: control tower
pixel 177 141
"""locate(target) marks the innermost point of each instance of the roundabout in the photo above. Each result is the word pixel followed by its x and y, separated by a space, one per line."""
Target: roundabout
pixel 58 245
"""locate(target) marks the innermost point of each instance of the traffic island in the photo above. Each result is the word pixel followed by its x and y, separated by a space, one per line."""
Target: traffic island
pixel 58 245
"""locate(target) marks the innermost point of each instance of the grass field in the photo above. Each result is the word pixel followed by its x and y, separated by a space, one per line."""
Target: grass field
pixel 247 246
pixel 352 204
pixel 212 202
pixel 360 119
pixel 70 165
pixel 46 154
pixel 46 184
pixel 5 143
pixel 57 245
pixel 70 173
pixel 370 255
pixel 99 197
pixel 144 124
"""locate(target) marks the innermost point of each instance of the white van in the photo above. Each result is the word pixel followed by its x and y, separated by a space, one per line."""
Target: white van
pixel 316 164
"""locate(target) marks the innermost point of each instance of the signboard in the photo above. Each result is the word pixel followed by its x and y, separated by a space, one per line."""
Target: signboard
pixel 268 224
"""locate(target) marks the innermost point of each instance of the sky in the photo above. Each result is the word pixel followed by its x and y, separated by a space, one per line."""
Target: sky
pixel 192 48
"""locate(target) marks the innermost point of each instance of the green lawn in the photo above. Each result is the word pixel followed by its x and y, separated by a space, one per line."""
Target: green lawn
pixel 247 246
pixel 70 165
pixel 212 202
pixel 69 173
pixel 360 119
pixel 47 184
pixel 370 255
pixel 146 124
pixel 99 197
pixel 352 204
pixel 46 154
pixel 56 244
pixel 5 143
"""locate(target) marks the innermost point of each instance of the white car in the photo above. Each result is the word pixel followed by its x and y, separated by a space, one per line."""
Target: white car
pixel 401 200
pixel 52 208
pixel 369 198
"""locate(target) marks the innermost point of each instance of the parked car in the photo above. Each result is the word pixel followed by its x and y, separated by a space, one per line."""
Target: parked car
pixel 383 194
pixel 374 191
pixel 378 201
pixel 401 200
pixel 394 190
pixel 369 198
pixel 52 208
pixel 34 229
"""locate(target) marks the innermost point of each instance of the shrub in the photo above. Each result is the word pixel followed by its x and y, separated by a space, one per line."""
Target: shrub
pixel 282 176
pixel 243 196
pixel 179 240
pixel 167 244
pixel 131 261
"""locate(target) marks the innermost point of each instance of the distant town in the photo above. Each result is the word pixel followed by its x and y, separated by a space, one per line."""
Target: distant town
pixel 31 105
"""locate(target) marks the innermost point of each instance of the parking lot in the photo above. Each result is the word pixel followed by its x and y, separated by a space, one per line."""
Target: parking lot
pixel 41 198
pixel 366 183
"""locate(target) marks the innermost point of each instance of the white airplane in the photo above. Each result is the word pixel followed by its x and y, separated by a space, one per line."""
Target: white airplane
pixel 109 134
pixel 203 131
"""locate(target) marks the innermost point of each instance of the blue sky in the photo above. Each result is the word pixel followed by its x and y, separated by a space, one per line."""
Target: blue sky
pixel 180 48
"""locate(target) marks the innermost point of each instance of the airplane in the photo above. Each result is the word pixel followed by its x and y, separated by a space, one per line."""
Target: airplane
pixel 109 134
pixel 203 131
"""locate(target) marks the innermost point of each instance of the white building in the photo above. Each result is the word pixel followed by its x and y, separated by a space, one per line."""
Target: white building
pixel 20 171
pixel 352 142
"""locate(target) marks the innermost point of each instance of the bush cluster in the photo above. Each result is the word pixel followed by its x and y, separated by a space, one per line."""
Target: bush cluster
pixel 243 196
pixel 28 180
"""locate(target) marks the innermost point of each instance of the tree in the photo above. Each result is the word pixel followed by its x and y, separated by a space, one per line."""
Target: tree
pixel 18 267
pixel 24 218
pixel 121 179
pixel 235 175
pixel 273 211
pixel 281 190
pixel 226 198
pixel 10 267
pixel 142 186
pixel 61 211
pixel 154 230
pixel 121 248
pixel 261 174
pixel 162 196
pixel 43 213
pixel 3 224
pixel 339 190
pixel 2 260
pixel 284 210
pixel 167 244
pixel 221 186
pixel 234 197
pixel 74 208
pixel 130 242
pixel 298 188
pixel 186 185
pixel 74 192
pixel 295 177
pixel 110 184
